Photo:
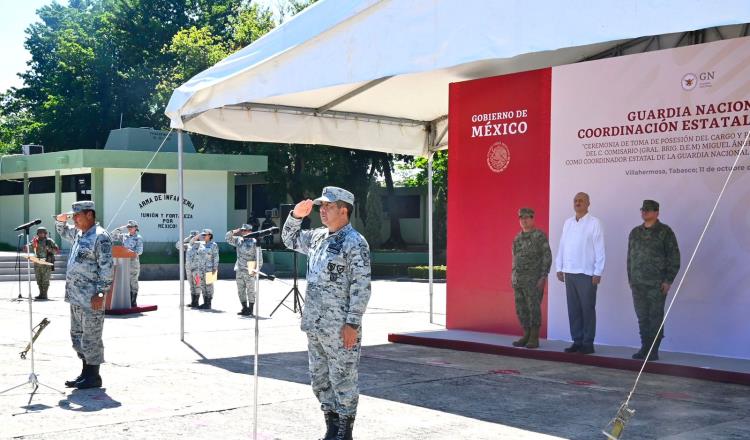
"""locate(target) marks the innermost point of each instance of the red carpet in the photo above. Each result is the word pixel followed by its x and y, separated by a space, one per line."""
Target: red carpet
pixel 138 309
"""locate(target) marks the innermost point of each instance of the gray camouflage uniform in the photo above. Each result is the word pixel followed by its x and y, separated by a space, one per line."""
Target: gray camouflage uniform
pixel 338 289
pixel 246 251
pixel 205 259
pixel 89 272
pixel 133 243
pixel 190 249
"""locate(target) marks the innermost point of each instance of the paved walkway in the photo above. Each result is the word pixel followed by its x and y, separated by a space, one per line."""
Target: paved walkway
pixel 157 387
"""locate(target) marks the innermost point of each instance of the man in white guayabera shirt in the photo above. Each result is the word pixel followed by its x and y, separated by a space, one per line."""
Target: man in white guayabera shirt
pixel 580 263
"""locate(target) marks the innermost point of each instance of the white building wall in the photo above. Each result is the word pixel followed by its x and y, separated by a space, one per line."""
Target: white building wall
pixel 157 214
pixel 238 217
pixel 66 202
pixel 42 206
pixel 11 215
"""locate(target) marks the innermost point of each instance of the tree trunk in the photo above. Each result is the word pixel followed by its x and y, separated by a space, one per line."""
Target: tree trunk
pixel 395 240
pixel 295 189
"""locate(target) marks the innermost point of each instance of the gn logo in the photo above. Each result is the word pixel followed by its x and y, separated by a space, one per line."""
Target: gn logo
pixel 690 81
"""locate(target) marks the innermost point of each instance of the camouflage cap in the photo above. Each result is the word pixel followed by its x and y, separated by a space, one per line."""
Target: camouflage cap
pixel 41 229
pixel 207 232
pixel 335 194
pixel 650 205
pixel 525 212
pixel 83 205
pixel 132 224
pixel 246 227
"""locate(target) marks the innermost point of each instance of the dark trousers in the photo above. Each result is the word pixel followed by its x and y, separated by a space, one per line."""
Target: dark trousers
pixel 581 295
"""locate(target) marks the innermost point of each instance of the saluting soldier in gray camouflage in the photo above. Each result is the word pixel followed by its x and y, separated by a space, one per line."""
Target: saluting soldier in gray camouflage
pixel 338 289
pixel 532 259
pixel 205 260
pixel 132 241
pixel 45 249
pixel 246 251
pixel 88 280
pixel 653 263
pixel 190 248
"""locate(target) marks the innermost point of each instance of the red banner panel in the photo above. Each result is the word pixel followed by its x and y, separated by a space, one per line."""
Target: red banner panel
pixel 499 140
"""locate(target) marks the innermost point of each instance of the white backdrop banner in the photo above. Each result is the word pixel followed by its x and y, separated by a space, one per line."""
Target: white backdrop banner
pixel 667 126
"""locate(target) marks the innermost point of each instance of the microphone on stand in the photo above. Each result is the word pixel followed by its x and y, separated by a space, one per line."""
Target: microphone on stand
pixel 28 225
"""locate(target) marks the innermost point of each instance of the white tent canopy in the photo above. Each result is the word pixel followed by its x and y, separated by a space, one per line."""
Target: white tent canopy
pixel 374 74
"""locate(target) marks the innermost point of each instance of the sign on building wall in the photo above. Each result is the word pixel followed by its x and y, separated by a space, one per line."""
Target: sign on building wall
pixel 205 202
pixel 156 211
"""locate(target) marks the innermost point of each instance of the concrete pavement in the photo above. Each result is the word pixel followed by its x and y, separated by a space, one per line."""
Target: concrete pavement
pixel 158 387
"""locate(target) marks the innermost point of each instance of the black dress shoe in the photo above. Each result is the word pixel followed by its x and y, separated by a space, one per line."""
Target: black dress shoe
pixel 573 348
pixel 586 349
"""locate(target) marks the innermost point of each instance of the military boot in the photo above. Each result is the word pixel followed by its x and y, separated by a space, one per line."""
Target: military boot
pixel 655 351
pixel 524 339
pixel 345 426
pixel 193 301
pixel 72 383
pixel 640 354
pixel 206 304
pixel 250 309
pixel 332 425
pixel 90 379
pixel 533 338
pixel 42 294
pixel 244 309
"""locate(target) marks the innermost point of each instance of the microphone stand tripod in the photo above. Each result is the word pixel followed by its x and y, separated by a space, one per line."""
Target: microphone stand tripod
pixel 294 291
pixel 33 380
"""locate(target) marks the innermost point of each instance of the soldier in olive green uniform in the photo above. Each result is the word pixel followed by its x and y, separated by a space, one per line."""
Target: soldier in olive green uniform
pixel 653 263
pixel 45 249
pixel 532 259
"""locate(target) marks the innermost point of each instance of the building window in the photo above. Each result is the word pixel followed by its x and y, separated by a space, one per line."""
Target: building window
pixel 75 182
pixel 11 188
pixel 405 206
pixel 42 185
pixel 262 200
pixel 240 196
pixel 82 184
pixel 154 183
pixel 37 185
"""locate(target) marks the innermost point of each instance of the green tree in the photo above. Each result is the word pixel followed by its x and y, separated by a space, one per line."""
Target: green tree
pixel 440 193
pixel 290 8
pixel 16 123
pixel 94 62
pixel 250 24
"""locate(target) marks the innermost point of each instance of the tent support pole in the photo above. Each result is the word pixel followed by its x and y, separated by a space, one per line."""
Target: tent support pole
pixel 429 229
pixel 181 232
